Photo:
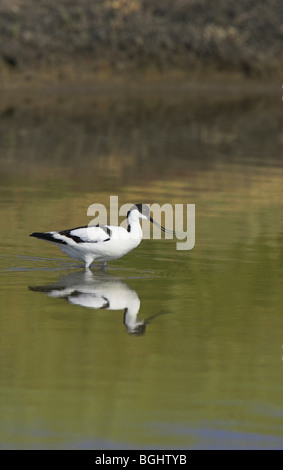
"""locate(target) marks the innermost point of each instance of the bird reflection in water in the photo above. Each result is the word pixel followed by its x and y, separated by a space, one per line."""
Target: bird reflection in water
pixel 100 291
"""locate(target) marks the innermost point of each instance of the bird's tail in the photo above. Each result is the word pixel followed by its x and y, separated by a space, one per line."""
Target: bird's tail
pixel 47 236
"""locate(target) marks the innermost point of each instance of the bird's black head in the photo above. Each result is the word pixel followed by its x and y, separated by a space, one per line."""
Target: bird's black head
pixel 137 330
pixel 142 208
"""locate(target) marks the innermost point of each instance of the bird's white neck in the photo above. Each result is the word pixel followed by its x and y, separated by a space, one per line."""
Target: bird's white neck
pixel 131 313
pixel 134 227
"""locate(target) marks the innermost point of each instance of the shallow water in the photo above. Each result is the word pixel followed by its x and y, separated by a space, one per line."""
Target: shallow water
pixel 198 362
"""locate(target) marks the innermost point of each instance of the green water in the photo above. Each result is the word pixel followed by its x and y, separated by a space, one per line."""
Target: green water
pixel 206 372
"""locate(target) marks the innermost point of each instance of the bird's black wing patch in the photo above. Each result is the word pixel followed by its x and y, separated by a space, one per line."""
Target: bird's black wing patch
pixel 107 303
pixel 68 234
pixel 106 230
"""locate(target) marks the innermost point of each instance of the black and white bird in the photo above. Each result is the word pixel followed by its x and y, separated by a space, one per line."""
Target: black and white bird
pixel 100 291
pixel 101 243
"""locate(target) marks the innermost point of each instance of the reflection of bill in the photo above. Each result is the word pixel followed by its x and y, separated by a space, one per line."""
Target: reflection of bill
pixel 99 291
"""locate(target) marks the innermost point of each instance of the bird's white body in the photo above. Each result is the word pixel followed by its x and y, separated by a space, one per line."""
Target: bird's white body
pixel 98 243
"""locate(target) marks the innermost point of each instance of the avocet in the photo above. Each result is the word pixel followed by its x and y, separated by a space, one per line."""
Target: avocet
pixel 101 243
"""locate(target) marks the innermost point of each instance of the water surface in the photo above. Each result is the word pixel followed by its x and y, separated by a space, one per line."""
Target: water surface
pixel 198 362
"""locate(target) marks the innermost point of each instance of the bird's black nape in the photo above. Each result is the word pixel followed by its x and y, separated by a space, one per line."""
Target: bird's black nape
pixel 142 208
pixel 145 210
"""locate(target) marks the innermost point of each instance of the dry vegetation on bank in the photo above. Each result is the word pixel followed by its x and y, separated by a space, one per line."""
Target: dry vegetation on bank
pixel 143 36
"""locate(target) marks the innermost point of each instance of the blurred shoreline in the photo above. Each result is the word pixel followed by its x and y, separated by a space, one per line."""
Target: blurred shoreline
pixel 68 81
pixel 140 44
